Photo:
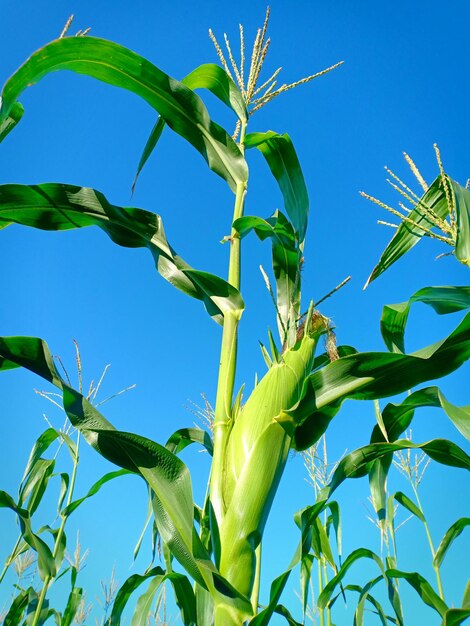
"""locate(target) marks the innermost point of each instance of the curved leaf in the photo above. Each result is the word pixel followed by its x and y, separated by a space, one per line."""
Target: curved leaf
pixel 360 553
pixel 164 472
pixel 407 235
pixel 46 563
pixel 279 152
pixel 287 261
pixel 214 78
pixel 73 602
pixel 54 206
pixel 442 299
pixel 11 120
pixel 186 436
pixel 403 499
pixel 397 417
pixel 455 617
pixel 208 76
pixel 462 212
pixel 111 63
pixel 371 375
pixel 355 464
pixel 94 490
pixel 423 588
pixel 450 536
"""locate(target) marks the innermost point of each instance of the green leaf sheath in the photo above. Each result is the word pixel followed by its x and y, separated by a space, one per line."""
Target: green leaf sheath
pixel 443 300
pixel 279 152
pixel 111 63
pixel 54 206
pixel 407 235
pixel 208 76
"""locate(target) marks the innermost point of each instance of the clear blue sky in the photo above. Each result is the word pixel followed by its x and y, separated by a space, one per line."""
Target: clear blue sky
pixel 403 86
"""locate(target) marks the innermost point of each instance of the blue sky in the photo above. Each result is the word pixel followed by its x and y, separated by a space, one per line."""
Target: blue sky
pixel 402 87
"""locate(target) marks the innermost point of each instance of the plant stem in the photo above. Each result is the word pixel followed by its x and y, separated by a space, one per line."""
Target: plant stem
pixel 431 545
pixel 10 559
pixel 228 358
pixel 49 579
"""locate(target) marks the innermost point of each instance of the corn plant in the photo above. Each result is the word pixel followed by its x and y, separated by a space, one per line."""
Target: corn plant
pixel 218 545
pixel 36 562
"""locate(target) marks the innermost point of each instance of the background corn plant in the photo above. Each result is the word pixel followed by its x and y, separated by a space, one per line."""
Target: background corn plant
pixel 300 427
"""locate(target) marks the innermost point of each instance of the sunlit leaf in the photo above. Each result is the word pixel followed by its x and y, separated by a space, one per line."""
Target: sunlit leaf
pixel 55 206
pixel 371 375
pixel 407 235
pixel 208 76
pixel 449 537
pixel 442 299
pixel 287 261
pixel 11 120
pixel 423 588
pixel 111 63
pixel 279 152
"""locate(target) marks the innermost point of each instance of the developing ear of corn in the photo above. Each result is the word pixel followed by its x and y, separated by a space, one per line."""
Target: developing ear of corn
pixel 256 455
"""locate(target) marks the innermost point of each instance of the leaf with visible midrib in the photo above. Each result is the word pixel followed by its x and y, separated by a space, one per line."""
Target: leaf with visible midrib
pixel 54 206
pixel 111 63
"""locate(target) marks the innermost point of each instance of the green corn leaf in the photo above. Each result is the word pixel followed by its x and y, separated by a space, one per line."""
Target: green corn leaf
pixel 186 436
pixel 360 553
pixel 371 375
pixel 277 587
pixel 305 578
pixel 55 206
pixel 11 120
pixel 208 76
pixel 149 147
pixel 455 617
pixel 127 589
pixel 73 602
pixel 466 596
pixel 216 80
pixel 164 472
pixel 398 417
pixel 111 63
pixel 184 596
pixel 279 152
pixel 304 520
pixel 402 499
pixel 422 587
pixel 18 607
pixel 462 211
pixel 364 596
pixel 64 487
pixel 355 464
pixel 281 610
pixel 450 536
pixel 40 446
pixel 46 564
pixel 34 487
pixel 336 519
pixel 94 490
pixel 407 235
pixel 287 261
pixel 442 299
